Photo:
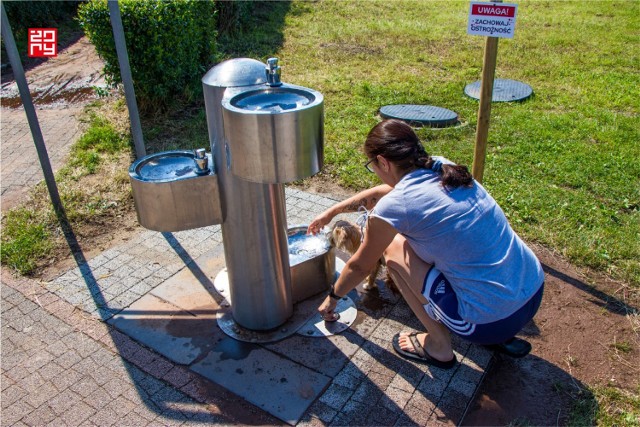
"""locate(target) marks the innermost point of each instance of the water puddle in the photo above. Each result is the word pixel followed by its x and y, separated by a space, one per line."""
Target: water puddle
pixel 57 98
pixel 235 350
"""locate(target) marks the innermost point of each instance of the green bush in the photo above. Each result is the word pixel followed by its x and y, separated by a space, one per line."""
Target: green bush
pixel 233 16
pixel 170 46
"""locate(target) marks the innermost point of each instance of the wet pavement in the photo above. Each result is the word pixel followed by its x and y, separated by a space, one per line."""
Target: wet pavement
pixel 147 309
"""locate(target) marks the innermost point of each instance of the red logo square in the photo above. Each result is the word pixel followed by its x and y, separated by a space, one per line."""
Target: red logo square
pixel 43 42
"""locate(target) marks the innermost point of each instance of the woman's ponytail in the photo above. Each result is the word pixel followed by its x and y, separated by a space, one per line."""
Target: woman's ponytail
pixel 454 176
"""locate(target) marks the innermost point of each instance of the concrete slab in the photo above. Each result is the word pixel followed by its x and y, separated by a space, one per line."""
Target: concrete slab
pixel 280 386
pixel 327 355
pixel 192 288
pixel 173 332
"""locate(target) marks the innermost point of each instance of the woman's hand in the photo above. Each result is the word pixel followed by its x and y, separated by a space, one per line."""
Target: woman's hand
pixel 327 308
pixel 320 221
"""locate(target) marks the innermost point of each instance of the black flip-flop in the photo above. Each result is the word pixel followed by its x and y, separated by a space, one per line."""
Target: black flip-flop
pixel 420 354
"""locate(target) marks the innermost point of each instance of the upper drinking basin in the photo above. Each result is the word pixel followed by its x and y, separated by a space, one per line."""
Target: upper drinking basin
pixel 273 99
pixel 275 134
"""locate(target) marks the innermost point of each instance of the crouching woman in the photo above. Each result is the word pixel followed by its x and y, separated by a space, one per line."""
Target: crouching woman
pixel 447 244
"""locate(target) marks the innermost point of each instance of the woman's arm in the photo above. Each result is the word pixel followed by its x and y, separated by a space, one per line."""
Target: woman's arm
pixel 378 236
pixel 367 198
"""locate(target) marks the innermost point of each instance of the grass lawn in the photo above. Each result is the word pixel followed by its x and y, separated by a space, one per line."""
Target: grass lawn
pixel 563 165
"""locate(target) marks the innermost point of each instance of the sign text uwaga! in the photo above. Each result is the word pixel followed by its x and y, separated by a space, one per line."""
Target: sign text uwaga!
pixel 492 19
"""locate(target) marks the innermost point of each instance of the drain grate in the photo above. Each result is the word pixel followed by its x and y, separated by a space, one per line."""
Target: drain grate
pixel 420 115
pixel 504 90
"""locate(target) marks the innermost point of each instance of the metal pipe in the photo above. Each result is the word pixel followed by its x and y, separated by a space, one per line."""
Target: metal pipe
pixel 127 81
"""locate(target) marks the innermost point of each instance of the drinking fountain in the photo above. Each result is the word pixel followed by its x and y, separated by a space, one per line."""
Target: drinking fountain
pixel 263 134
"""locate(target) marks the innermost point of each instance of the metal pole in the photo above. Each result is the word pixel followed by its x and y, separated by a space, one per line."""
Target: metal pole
pixel 125 73
pixel 30 111
pixel 484 111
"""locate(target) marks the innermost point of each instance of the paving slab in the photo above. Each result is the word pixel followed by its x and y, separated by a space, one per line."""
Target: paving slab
pixel 177 334
pixel 278 385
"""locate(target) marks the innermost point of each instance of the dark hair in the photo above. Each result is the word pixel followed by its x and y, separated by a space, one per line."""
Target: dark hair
pixel 396 141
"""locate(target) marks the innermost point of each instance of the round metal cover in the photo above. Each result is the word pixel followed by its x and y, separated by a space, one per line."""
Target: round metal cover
pixel 236 72
pixel 305 320
pixel 504 90
pixel 318 327
pixel 302 312
pixel 420 115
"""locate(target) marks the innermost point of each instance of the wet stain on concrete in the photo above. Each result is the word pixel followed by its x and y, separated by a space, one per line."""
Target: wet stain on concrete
pixel 234 350
pixel 57 98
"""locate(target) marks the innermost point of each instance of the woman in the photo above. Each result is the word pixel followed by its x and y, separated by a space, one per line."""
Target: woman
pixel 447 244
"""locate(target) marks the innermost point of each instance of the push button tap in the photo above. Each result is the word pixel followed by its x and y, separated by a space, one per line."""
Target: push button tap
pixel 273 72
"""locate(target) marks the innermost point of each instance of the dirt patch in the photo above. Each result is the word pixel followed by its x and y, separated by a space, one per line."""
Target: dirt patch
pixel 322 184
pixel 582 335
pixel 72 77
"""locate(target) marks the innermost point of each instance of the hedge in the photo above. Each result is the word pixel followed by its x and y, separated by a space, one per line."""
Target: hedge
pixel 170 45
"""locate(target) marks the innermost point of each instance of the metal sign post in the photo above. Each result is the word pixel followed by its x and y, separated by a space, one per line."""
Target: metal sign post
pixel 493 21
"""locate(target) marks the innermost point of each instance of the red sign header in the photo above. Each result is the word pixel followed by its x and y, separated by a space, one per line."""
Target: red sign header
pixel 493 10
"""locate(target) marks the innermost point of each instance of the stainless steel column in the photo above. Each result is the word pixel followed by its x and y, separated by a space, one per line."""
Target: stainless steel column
pixel 254 227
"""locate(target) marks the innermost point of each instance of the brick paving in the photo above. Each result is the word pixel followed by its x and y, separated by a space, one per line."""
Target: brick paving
pixel 61 366
pixel 21 169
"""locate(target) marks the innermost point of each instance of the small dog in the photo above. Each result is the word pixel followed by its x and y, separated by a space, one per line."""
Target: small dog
pixel 347 237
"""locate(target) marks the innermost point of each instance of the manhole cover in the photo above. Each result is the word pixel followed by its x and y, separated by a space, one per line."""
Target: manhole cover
pixel 504 90
pixel 420 115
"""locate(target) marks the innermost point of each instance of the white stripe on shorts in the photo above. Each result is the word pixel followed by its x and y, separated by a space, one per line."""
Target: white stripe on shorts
pixel 460 327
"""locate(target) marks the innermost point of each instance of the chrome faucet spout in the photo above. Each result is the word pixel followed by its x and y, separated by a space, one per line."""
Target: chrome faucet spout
pixel 202 161
pixel 273 72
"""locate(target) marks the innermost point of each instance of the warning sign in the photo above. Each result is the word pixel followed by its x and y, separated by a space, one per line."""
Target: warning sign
pixel 492 19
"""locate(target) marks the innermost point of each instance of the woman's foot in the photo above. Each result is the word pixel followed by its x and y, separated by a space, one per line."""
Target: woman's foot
pixel 416 346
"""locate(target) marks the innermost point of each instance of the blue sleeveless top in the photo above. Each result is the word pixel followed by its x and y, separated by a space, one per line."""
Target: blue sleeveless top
pixel 466 235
